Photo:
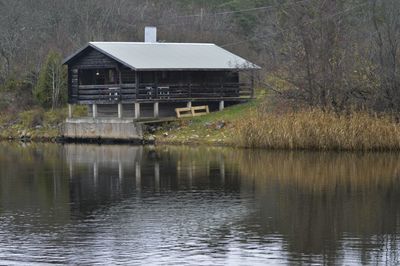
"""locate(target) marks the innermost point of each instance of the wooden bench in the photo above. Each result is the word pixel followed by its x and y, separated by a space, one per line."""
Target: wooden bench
pixel 192 111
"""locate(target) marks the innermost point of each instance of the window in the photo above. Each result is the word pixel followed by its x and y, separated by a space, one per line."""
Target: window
pixel 101 76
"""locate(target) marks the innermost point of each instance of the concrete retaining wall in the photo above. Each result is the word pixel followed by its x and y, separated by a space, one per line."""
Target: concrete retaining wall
pixel 113 129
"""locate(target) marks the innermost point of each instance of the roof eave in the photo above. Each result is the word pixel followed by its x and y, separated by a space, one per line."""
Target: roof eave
pixel 69 58
pixel 111 56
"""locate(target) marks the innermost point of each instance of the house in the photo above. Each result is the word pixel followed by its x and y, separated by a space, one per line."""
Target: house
pixel 151 79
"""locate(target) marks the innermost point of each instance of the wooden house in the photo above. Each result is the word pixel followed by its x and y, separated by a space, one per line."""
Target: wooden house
pixel 151 79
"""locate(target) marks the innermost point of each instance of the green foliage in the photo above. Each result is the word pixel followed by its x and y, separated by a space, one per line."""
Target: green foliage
pixel 51 88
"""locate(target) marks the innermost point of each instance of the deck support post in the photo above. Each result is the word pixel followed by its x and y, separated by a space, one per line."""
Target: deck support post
pixel 94 110
pixel 137 110
pixel 189 104
pixel 69 110
pixel 221 105
pixel 156 111
pixel 120 110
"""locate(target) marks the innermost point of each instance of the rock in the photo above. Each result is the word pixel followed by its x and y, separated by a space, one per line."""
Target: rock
pixel 152 129
pixel 220 124
pixel 38 127
pixel 151 138
pixel 165 134
pixel 208 124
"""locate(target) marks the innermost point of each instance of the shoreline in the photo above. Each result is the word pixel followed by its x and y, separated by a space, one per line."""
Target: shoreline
pixel 60 140
pixel 245 125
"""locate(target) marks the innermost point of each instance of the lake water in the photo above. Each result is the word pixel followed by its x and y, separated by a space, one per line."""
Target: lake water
pixel 146 205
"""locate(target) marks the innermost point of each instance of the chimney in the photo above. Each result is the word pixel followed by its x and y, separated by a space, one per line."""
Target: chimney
pixel 150 34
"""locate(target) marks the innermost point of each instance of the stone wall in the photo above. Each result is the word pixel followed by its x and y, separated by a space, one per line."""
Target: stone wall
pixel 101 128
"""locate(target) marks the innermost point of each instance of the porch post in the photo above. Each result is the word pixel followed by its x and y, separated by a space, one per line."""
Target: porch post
pixel 120 110
pixel 94 110
pixel 137 84
pixel 221 105
pixel 137 110
pixel 69 110
pixel 155 109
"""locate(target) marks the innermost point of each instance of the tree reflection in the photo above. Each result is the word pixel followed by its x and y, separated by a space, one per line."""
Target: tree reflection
pixel 318 200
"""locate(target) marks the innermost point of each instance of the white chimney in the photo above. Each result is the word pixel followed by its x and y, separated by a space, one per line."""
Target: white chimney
pixel 150 34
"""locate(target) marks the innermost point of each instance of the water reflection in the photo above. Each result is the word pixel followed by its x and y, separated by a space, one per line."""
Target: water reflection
pixel 169 205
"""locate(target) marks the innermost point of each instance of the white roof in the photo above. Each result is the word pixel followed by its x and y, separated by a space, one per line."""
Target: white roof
pixel 179 56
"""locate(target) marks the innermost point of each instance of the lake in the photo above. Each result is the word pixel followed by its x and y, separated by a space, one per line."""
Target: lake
pixel 155 205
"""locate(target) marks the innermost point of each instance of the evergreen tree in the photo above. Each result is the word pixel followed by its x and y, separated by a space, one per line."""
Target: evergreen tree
pixel 51 88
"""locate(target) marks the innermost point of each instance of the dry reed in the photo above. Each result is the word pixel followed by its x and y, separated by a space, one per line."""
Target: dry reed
pixel 319 130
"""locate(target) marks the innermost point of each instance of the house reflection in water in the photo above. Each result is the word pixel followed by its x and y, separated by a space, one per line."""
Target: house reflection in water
pixel 106 173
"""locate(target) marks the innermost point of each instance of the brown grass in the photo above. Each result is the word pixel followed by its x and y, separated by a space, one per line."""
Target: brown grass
pixel 319 130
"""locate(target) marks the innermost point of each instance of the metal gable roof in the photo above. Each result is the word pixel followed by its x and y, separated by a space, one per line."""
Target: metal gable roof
pixel 179 56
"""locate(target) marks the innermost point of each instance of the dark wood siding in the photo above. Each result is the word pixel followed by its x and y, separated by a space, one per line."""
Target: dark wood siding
pixel 91 58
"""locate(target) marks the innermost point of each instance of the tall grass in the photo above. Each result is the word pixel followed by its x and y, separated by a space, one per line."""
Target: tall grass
pixel 319 130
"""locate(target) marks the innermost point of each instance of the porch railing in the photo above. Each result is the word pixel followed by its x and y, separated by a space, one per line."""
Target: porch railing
pixel 163 92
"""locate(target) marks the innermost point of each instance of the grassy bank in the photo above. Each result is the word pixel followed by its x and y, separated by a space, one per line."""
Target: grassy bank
pixel 218 128
pixel 36 124
pixel 247 125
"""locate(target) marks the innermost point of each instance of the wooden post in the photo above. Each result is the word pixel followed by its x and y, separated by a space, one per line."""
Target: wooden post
pixel 94 110
pixel 137 84
pixel 156 109
pixel 70 110
pixel 137 110
pixel 221 105
pixel 119 76
pixel 155 85
pixel 120 110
